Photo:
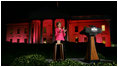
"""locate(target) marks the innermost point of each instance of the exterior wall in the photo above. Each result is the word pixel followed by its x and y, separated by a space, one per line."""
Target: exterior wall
pixel 12 28
pixel 82 23
pixel 47 30
pixel 35 33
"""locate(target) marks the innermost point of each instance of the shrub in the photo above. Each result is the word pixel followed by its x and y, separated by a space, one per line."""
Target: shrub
pixel 30 60
pixel 69 62
pixel 66 62
pixel 101 56
pixel 103 64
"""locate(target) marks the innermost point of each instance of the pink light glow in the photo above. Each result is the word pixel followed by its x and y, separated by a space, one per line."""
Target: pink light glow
pixel 47 24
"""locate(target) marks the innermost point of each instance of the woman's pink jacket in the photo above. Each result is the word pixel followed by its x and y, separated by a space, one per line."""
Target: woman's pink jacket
pixel 59 36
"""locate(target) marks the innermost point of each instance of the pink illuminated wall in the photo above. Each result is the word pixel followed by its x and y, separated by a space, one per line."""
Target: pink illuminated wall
pixel 15 37
pixel 82 23
pixel 32 33
pixel 47 30
pixel 35 31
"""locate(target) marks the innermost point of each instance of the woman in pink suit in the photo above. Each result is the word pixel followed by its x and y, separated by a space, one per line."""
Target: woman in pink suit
pixel 59 36
pixel 59 33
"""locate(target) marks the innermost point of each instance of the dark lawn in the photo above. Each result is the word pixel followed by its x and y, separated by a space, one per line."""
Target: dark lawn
pixel 72 50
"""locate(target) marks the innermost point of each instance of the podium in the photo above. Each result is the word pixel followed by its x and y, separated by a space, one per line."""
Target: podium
pixel 91 53
pixel 58 53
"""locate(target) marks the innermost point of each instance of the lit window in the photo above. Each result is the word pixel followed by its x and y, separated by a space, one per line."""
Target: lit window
pixel 103 27
pixel 76 28
pixel 76 39
pixel 44 29
pixel 44 40
pixel 103 40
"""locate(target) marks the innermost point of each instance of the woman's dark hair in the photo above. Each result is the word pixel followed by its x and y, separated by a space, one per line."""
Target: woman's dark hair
pixel 58 23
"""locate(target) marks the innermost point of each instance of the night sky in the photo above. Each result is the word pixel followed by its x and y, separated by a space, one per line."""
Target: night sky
pixel 14 11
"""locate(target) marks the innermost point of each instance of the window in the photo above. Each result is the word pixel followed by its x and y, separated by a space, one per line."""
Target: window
pixel 25 40
pixel 18 40
pixel 18 31
pixel 44 40
pixel 11 40
pixel 44 29
pixel 103 40
pixel 103 27
pixel 25 31
pixel 85 39
pixel 76 28
pixel 76 39
pixel 11 31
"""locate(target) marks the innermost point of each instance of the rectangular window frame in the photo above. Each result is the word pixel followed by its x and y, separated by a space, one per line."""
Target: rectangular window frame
pixel 76 39
pixel 25 30
pixel 25 40
pixel 103 27
pixel 18 40
pixel 103 40
pixel 18 31
pixel 76 28
pixel 11 40
pixel 44 29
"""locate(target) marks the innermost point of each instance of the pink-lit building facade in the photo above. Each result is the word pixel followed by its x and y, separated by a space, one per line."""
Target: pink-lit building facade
pixel 42 31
